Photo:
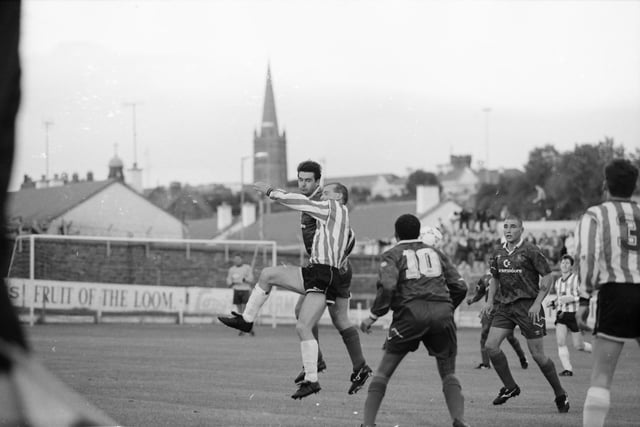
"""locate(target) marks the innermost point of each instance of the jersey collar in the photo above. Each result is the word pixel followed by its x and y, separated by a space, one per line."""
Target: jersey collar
pixel 401 242
pixel 520 242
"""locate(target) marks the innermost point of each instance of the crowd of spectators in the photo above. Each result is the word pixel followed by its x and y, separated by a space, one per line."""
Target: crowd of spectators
pixel 470 243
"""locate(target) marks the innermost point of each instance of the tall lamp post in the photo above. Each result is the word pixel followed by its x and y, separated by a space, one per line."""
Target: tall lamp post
pixel 133 106
pixel 47 125
pixel 258 155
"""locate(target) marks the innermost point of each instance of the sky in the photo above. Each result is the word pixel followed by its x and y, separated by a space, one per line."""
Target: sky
pixel 364 87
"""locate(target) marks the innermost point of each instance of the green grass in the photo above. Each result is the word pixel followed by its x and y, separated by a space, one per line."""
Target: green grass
pixel 206 375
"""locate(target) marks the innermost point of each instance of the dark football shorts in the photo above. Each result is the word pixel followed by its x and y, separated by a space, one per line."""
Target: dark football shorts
pixel 427 322
pixel 568 319
pixel 341 288
pixel 320 278
pixel 507 316
pixel 618 311
pixel 240 296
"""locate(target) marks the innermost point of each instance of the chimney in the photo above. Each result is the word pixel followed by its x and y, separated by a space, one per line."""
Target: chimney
pixel 248 214
pixel 75 177
pixel 56 181
pixel 427 196
pixel 43 183
pixel 135 178
pixel 224 216
pixel 90 176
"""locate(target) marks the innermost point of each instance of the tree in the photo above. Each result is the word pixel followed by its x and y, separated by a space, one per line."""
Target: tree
pixel 420 177
pixel 541 165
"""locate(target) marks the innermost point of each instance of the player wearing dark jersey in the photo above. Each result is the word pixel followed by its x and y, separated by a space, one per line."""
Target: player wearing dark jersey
pixel 608 249
pixel 521 278
pixel 482 291
pixel 422 288
pixel 309 175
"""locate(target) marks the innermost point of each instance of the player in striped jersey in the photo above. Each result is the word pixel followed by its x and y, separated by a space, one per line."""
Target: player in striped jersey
pixel 309 175
pixel 328 253
pixel 566 304
pixel 609 261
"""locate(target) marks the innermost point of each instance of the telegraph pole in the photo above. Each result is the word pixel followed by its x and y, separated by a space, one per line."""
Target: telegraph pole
pixel 47 125
pixel 135 142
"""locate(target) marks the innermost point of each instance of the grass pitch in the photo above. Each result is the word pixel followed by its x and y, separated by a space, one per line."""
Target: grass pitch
pixel 206 375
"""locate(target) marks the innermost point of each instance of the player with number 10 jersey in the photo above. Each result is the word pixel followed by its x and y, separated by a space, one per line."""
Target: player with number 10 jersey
pixel 416 271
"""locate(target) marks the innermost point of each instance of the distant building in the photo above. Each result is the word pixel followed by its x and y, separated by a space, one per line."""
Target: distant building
pixel 273 167
pixel 90 208
pixel 379 185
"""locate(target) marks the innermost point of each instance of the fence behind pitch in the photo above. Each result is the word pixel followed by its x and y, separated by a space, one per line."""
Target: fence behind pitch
pixel 112 276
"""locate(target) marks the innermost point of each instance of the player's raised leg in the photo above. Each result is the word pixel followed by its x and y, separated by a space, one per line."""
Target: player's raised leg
pixel 282 276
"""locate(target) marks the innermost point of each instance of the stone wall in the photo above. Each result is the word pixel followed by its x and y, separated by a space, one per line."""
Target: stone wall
pixel 157 263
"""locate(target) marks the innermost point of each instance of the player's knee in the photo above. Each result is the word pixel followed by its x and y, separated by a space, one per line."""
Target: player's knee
pixel 340 322
pixel 450 380
pixel 539 357
pixel 378 384
pixel 267 275
pixel 303 330
pixel 493 349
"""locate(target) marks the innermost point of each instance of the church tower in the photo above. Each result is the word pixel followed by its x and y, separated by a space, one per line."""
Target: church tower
pixel 273 167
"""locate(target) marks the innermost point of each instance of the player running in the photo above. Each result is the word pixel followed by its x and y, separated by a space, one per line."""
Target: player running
pixel 521 280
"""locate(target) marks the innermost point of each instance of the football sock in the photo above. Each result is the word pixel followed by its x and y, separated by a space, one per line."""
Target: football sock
pixel 485 356
pixel 453 396
pixel 563 353
pixel 309 350
pixel 256 301
pixel 314 331
pixel 549 371
pixel 499 361
pixel 596 406
pixel 516 346
pixel 351 340
pixel 377 389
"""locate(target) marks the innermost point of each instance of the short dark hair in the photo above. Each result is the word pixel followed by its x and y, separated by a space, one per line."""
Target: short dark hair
pixel 407 227
pixel 339 188
pixel 567 256
pixel 514 217
pixel 311 166
pixel 621 177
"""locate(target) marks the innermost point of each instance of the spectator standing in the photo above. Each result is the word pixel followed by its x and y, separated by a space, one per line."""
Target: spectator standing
pixel 240 278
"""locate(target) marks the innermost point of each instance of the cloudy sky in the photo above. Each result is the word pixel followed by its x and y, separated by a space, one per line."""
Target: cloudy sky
pixel 363 86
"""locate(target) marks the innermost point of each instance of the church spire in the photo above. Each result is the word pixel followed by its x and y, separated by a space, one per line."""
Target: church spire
pixel 269 120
